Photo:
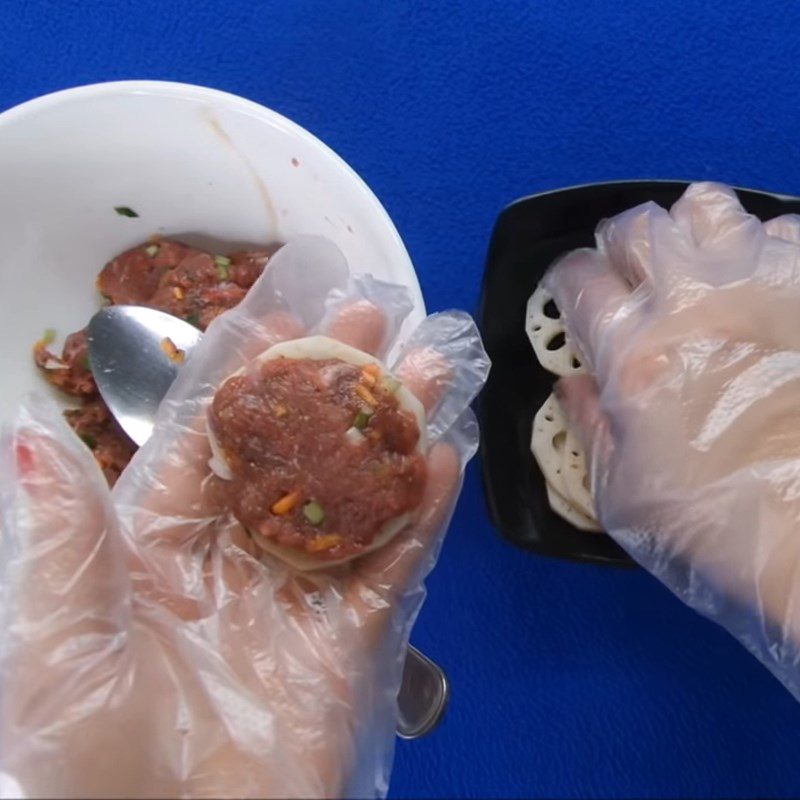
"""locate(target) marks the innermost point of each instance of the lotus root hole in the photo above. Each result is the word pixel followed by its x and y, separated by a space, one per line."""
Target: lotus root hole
pixel 550 310
pixel 557 342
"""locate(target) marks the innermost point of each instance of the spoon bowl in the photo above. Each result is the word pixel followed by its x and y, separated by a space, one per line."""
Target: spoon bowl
pixel 131 361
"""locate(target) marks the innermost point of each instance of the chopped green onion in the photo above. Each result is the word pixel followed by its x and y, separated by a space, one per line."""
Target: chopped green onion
pixel 49 336
pixel 87 365
pixel 361 420
pixel 125 211
pixel 152 250
pixel 89 441
pixel 222 262
pixel 314 512
pixel 193 319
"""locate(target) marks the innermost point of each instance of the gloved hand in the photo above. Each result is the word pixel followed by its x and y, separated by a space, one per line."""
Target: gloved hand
pixel 148 648
pixel 689 321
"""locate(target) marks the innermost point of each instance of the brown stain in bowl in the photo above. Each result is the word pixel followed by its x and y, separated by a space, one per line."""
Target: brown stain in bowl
pixel 215 126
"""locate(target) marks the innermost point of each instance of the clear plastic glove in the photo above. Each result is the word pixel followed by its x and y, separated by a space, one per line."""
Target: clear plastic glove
pixel 148 648
pixel 689 321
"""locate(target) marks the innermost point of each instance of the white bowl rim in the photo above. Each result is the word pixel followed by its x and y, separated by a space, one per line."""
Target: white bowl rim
pixel 205 93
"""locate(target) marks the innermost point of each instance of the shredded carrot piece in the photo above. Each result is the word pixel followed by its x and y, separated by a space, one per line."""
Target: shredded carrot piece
pixel 281 410
pixel 324 541
pixel 372 369
pixel 178 292
pixel 285 504
pixel 173 353
pixel 368 378
pixel 366 395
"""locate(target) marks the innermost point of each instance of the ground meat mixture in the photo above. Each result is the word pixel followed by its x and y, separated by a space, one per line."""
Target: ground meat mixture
pixel 322 455
pixel 188 283
pixel 170 276
pixel 70 371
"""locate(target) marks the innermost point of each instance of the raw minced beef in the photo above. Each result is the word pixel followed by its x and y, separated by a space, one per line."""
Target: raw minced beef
pixel 321 453
pixel 163 274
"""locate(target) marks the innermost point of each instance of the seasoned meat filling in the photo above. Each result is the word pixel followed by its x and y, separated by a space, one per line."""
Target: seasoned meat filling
pixel 322 454
pixel 163 274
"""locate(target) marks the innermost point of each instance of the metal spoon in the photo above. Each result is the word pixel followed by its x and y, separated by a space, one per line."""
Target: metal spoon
pixel 133 373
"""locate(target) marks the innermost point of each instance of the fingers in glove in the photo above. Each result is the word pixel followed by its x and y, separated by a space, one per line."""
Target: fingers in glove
pixel 445 365
pixel 426 374
pixel 779 258
pixel 593 299
pixel 65 600
pixel 300 279
pixel 580 402
pixel 712 216
pixel 579 399
pixel 360 324
pixel 626 243
pixel 382 306
pixel 724 240
pixel 786 227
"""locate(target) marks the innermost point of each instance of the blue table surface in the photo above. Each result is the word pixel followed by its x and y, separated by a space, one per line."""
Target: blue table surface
pixel 568 680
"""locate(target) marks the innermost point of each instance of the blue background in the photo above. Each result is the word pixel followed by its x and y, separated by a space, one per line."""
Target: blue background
pixel 568 680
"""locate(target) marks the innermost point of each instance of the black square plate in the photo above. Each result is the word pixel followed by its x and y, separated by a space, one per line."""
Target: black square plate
pixel 528 236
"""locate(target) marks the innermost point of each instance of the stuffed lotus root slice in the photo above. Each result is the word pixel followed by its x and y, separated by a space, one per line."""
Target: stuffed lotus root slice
pixel 548 336
pixel 324 451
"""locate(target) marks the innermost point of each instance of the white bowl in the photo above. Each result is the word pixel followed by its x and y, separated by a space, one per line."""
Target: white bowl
pixel 193 162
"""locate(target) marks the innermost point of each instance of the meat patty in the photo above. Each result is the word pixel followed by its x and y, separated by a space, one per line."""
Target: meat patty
pixel 323 457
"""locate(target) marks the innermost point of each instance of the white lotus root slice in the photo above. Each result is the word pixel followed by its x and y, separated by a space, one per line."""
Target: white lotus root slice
pixel 561 459
pixel 548 335
pixel 323 347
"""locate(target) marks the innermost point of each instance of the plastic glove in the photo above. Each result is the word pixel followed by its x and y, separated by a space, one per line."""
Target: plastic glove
pixel 147 651
pixel 689 322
